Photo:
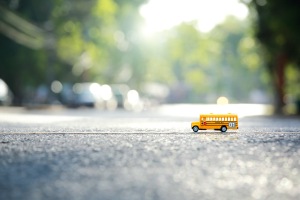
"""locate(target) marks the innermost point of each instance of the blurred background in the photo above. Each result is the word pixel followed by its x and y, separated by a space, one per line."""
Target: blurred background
pixel 138 54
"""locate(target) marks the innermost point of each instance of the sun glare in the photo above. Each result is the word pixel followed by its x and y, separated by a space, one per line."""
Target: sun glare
pixel 164 14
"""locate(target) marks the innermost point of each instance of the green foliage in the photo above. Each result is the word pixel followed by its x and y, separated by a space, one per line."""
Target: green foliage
pixel 278 31
pixel 225 61
pixel 100 40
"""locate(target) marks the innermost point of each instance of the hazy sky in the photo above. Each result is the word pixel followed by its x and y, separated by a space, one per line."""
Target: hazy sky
pixel 163 14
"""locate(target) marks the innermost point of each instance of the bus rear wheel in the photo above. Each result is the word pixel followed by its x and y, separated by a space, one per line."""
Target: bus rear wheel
pixel 223 128
pixel 195 128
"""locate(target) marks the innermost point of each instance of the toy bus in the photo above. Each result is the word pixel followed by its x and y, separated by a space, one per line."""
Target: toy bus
pixel 220 122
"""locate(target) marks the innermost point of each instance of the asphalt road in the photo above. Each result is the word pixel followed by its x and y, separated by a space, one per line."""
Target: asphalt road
pixel 88 154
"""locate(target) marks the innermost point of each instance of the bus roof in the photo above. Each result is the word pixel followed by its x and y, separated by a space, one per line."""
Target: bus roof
pixel 228 114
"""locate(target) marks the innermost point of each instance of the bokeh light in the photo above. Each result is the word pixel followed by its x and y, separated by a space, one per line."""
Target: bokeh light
pixel 95 88
pixel 222 101
pixel 106 92
pixel 111 104
pixel 56 86
pixel 138 107
pixel 133 97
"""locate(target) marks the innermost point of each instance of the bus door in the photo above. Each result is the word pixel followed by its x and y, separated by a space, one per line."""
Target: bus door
pixel 204 121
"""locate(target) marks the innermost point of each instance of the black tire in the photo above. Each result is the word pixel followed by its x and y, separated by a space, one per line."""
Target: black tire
pixel 195 128
pixel 223 128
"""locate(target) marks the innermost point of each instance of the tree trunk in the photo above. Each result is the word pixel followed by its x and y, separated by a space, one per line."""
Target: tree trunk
pixel 279 82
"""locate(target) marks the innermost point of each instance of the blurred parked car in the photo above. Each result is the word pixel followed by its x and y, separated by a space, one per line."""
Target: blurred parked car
pixel 6 95
pixel 120 93
pixel 86 94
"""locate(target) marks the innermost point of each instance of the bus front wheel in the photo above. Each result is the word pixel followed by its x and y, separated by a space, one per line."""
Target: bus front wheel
pixel 195 128
pixel 223 128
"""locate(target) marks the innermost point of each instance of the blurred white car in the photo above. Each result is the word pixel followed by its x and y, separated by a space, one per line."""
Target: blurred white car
pixel 6 95
pixel 86 94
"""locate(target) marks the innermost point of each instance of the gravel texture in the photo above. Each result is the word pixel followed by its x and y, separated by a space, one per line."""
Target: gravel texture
pixel 147 156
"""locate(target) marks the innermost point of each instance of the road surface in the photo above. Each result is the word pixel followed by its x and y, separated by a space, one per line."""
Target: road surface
pixel 91 154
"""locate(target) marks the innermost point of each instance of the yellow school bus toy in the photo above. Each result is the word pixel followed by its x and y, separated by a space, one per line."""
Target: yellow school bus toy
pixel 220 122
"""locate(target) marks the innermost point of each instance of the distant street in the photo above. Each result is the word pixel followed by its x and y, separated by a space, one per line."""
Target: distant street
pixel 94 154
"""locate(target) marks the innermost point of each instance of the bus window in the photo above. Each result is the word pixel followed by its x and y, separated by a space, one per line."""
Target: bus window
pixel 202 119
pixel 219 118
pixel 225 118
pixel 210 119
pixel 214 119
pixel 222 118
pixel 234 119
pixel 231 118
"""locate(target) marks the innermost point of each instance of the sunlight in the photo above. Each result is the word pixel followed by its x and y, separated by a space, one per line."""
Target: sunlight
pixel 164 14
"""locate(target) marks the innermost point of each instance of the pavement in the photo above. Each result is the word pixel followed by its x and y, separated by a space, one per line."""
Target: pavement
pixel 92 154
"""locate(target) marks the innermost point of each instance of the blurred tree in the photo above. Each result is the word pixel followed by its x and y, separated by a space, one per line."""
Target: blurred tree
pixel 224 62
pixel 67 40
pixel 101 41
pixel 22 64
pixel 278 31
